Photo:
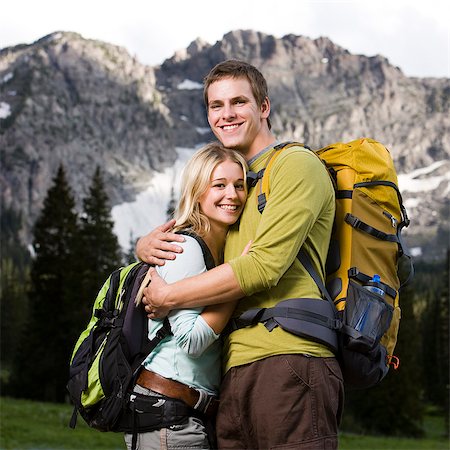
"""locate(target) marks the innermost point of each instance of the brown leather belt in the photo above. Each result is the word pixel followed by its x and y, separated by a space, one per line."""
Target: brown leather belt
pixel 175 389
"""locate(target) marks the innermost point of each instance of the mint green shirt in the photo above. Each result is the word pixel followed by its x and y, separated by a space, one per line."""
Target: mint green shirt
pixel 193 354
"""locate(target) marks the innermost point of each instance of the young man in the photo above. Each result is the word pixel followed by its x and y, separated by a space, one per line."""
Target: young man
pixel 279 390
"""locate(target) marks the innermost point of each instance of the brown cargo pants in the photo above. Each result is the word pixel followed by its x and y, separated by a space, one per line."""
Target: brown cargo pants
pixel 281 402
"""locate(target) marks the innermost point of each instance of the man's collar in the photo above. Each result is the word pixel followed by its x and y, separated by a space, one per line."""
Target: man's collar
pixel 264 150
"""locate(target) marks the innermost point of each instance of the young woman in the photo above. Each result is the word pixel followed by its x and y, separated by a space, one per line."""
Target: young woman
pixel 187 365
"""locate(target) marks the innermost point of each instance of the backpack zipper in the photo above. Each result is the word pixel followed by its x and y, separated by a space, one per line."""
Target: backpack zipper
pixel 393 220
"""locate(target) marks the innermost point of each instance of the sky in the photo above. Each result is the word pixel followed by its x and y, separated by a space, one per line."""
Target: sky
pixel 413 34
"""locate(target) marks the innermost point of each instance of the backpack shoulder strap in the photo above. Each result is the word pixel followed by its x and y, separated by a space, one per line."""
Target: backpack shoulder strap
pixel 207 255
pixel 117 281
pixel 110 298
pixel 148 347
pixel 263 174
pixel 302 256
pixel 307 263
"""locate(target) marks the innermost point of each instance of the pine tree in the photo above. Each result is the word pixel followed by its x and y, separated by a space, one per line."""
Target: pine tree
pixel 444 322
pixel 171 205
pixel 14 282
pixel 395 406
pixel 43 362
pixel 130 256
pixel 99 250
pixel 435 325
pixel 14 315
pixel 100 243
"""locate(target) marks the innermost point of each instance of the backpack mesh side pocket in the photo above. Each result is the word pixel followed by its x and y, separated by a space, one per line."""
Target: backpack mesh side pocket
pixel 366 318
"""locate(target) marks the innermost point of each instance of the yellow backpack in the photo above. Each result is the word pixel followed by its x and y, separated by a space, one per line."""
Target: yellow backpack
pixel 362 266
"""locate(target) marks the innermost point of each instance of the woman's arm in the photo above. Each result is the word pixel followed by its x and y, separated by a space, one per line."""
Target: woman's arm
pixel 194 333
pixel 217 316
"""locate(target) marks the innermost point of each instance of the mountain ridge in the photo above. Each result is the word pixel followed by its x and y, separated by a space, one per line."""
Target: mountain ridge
pixel 85 103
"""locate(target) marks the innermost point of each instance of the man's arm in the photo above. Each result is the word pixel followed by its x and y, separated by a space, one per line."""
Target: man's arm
pixel 193 333
pixel 157 246
pixel 218 285
pixel 217 288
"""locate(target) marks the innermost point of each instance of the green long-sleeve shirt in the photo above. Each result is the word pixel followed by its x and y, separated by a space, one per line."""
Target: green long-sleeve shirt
pixel 299 211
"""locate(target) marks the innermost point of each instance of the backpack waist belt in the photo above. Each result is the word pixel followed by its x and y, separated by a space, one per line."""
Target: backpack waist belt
pixel 310 318
pixel 145 413
pixel 196 399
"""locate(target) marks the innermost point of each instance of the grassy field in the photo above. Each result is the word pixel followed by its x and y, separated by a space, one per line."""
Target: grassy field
pixel 26 425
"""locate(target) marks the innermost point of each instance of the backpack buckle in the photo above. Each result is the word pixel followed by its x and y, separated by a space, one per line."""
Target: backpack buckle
pixel 253 177
pixel 352 220
pixel 109 322
pixel 336 324
pixel 261 202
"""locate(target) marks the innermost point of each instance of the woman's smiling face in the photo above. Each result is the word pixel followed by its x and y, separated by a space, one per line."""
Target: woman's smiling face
pixel 225 196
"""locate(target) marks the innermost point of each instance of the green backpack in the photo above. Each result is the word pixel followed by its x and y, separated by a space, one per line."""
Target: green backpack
pixel 108 357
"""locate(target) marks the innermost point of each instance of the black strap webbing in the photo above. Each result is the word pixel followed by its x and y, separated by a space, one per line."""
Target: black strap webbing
pixel 150 345
pixel 343 194
pixel 376 183
pixel 73 419
pixel 294 313
pixel 366 228
pixel 264 315
pixel 304 258
pixel 207 255
pixel 355 274
pixel 110 298
pixel 252 178
pixel 261 202
pixel 134 432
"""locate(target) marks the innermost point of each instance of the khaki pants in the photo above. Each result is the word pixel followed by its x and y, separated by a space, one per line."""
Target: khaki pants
pixel 281 402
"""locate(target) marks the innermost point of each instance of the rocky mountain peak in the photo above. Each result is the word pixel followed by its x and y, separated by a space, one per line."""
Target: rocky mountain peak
pixel 66 99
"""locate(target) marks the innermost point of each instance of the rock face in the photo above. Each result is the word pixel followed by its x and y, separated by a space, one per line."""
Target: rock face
pixel 82 103
pixel 320 93
pixel 87 103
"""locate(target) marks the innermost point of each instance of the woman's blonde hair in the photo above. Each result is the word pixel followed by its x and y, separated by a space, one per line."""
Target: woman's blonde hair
pixel 196 180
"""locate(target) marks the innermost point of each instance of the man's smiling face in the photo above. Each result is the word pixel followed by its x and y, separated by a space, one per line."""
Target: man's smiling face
pixel 234 115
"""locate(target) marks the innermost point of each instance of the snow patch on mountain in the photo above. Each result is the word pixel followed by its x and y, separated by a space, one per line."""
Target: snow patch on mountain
pixel 5 110
pixel 149 209
pixel 419 180
pixel 190 85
